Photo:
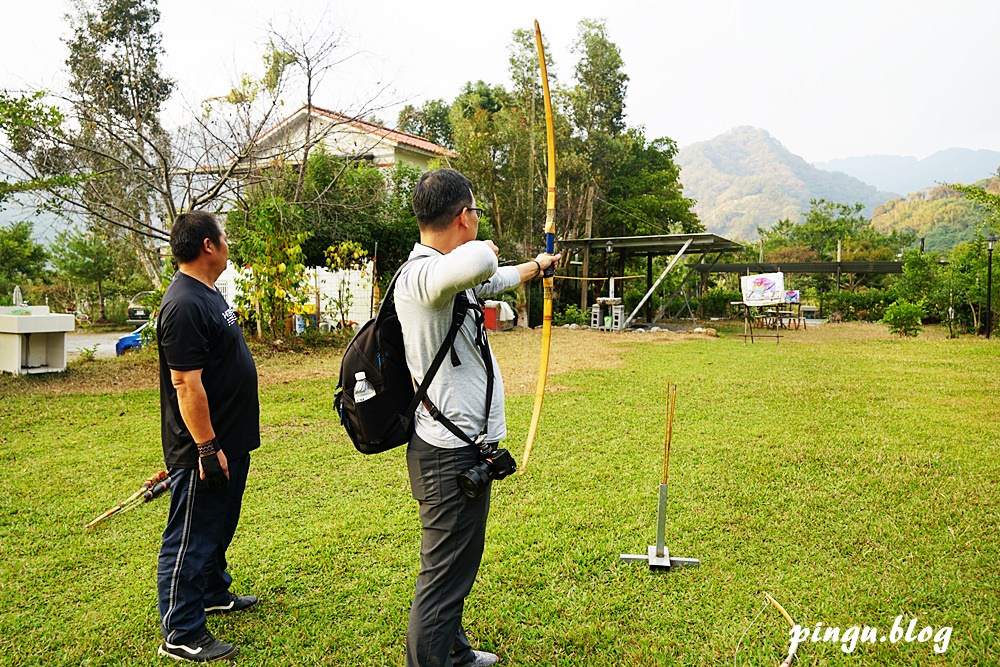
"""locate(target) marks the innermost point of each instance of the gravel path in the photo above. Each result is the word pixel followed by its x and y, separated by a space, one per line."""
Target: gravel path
pixel 104 342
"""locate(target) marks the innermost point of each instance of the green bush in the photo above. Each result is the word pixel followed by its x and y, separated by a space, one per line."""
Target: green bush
pixel 903 318
pixel 867 305
pixel 715 302
pixel 571 314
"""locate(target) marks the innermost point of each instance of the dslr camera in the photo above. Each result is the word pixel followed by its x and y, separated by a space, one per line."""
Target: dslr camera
pixel 493 464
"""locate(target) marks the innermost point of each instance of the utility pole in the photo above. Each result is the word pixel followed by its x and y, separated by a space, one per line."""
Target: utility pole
pixel 989 285
pixel 588 231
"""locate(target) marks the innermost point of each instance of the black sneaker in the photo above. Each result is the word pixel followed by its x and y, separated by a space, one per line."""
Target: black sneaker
pixel 203 649
pixel 232 603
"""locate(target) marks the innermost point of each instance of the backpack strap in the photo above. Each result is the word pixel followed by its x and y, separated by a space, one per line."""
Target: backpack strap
pixel 461 307
pixel 387 299
pixel 457 318
pixel 459 310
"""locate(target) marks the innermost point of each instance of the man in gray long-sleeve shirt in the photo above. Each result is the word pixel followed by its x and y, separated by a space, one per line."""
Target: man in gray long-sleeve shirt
pixel 453 525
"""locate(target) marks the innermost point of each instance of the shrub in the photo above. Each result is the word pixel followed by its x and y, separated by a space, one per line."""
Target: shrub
pixel 867 305
pixel 903 318
pixel 571 314
pixel 716 301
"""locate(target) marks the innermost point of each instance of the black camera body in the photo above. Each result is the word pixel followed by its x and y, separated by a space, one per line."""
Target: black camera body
pixel 493 464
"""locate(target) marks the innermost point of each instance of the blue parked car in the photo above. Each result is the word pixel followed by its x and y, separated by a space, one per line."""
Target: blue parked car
pixel 130 342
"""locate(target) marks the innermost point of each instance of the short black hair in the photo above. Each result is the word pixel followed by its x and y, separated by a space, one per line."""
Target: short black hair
pixel 189 231
pixel 440 195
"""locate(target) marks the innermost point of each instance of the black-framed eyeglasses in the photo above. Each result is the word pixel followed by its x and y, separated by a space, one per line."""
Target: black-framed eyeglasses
pixel 479 211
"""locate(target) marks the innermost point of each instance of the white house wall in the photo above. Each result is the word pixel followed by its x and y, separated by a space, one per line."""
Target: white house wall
pixel 338 138
pixel 342 139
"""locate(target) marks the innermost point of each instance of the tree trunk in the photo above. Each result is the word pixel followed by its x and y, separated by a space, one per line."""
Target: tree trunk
pixel 148 259
pixel 100 300
pixel 522 306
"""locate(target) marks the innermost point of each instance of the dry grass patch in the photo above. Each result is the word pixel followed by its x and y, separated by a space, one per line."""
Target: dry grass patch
pixel 517 352
pixel 100 376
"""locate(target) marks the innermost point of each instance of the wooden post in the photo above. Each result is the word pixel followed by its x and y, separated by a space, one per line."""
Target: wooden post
pixel 589 229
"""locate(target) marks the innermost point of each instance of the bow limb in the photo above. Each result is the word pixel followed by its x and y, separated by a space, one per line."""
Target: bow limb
pixel 550 238
pixel 791 649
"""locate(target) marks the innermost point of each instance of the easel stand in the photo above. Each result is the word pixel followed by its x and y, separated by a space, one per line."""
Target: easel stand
pixel 658 557
pixel 748 323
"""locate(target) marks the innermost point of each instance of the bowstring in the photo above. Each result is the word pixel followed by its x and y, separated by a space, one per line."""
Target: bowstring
pixel 745 631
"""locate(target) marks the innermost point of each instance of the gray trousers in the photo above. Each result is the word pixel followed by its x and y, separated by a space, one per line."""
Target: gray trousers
pixel 451 548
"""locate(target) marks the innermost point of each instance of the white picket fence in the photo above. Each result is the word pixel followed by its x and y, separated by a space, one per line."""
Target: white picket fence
pixel 325 283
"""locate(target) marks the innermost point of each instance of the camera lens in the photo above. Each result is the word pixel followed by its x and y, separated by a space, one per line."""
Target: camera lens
pixel 475 480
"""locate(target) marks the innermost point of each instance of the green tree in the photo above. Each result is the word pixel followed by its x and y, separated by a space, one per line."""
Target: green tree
pixel 431 121
pixel 21 258
pixel 828 223
pixel 23 119
pixel 341 199
pixel 647 192
pixel 826 226
pixel 903 318
pixel 110 161
pixel 598 99
pixel 482 129
pixel 965 280
pixel 269 251
pixel 919 276
pixel 86 259
pixel 119 92
pixel 597 108
pixel 526 176
pixel 987 198
pixel 499 135
pixel 395 231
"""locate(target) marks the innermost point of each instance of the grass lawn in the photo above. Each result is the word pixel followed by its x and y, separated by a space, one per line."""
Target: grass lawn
pixel 852 475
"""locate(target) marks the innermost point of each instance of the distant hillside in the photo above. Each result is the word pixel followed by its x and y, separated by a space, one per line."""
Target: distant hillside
pixel 941 216
pixel 745 179
pixel 896 173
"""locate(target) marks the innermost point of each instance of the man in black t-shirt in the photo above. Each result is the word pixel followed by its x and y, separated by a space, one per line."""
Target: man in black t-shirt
pixel 210 422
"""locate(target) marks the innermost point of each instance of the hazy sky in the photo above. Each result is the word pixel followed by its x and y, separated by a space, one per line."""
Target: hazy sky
pixel 827 79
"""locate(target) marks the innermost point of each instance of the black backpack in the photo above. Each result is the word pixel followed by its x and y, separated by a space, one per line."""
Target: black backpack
pixel 385 421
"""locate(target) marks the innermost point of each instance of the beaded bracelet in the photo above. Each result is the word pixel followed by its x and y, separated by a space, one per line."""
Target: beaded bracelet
pixel 207 448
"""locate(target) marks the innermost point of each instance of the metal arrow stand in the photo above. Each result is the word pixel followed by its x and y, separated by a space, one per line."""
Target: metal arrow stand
pixel 658 556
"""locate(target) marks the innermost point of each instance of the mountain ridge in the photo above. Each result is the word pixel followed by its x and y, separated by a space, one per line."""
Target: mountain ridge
pixel 907 174
pixel 745 178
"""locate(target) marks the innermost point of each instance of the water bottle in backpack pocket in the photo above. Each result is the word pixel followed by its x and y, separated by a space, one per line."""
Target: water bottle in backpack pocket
pixel 363 389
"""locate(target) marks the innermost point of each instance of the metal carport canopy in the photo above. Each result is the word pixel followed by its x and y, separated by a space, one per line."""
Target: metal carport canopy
pixel 662 244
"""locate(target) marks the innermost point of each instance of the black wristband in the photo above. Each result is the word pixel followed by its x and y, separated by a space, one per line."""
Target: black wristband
pixel 215 476
pixel 207 448
pixel 539 267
